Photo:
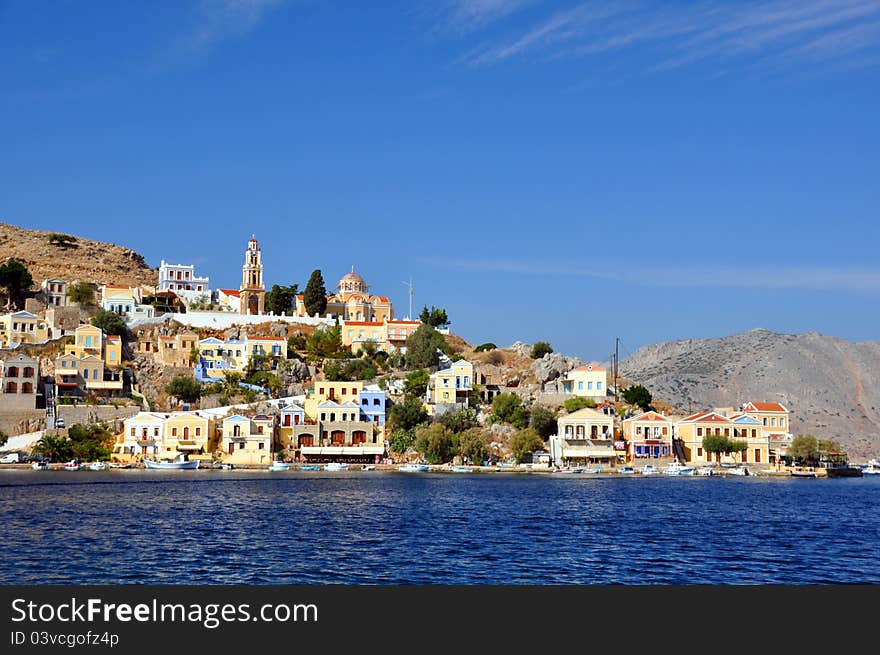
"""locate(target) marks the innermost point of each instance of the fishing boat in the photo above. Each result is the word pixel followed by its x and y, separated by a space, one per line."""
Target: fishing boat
pixel 308 467
pixel 336 466
pixel 462 469
pixel 414 468
pixel 626 470
pixel 278 465
pixel 577 469
pixel 677 468
pixel 871 468
pixel 74 465
pixel 650 469
pixel 368 467
pixel 179 464
pixel 803 472
pixel 705 471
pixel 738 470
pixel 97 466
pixel 40 466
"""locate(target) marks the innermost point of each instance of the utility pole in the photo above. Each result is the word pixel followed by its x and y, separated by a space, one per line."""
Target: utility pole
pixel 616 363
pixel 410 285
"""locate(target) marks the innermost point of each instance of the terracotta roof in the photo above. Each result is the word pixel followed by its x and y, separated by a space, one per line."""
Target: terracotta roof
pixel 266 339
pixel 765 407
pixel 397 322
pixel 166 338
pixel 383 298
pixel 116 286
pixel 706 417
pixel 590 367
pixel 649 416
pixel 376 323
pixel 113 337
pixel 231 292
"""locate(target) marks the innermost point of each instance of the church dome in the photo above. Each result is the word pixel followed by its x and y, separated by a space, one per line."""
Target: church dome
pixel 352 277
pixel 352 283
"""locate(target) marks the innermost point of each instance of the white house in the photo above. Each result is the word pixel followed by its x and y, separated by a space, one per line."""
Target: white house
pixel 182 277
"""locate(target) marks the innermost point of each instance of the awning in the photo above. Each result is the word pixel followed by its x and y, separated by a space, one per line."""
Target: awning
pixel 189 447
pixel 371 449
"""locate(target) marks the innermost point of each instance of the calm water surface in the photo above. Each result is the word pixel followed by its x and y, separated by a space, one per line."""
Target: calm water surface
pixel 234 527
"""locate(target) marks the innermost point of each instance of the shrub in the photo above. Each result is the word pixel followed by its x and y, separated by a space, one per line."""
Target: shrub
pixel 540 349
pixel 484 347
pixel 508 408
pixel 435 442
pixel 543 421
pixel 574 404
pixel 524 443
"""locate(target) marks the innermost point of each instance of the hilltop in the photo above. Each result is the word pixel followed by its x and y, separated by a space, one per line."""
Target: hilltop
pixel 81 259
pixel 832 386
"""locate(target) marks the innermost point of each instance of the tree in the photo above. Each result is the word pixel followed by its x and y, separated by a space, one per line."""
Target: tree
pixel 280 300
pixel 324 343
pixel 829 446
pixel 3 438
pixel 508 408
pixel 402 440
pixel 90 442
pixel 715 443
pixel 416 383
pixel 110 323
pixel 422 346
pixel 463 419
pixel 638 395
pixel 435 317
pixel 184 388
pixel 804 448
pixel 315 295
pixel 61 240
pixel 296 342
pixel 540 349
pixel 55 447
pixel 81 293
pixel 484 347
pixel 578 402
pixel 543 421
pixel 14 279
pixel 524 443
pixel 435 442
pixel 472 445
pixel 407 414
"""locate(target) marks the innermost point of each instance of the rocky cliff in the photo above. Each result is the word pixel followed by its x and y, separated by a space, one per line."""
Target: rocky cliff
pixel 831 386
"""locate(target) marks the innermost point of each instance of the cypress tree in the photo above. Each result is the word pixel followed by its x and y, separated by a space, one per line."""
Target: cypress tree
pixel 315 295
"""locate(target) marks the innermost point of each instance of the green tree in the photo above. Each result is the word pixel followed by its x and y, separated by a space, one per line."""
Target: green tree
pixel 540 349
pixel 543 421
pixel 484 347
pixel 184 388
pixel 804 448
pixel 407 414
pixel 280 300
pixel 55 447
pixel 435 442
pixel 14 280
pixel 416 383
pixel 829 446
pixel 324 343
pixel 463 419
pixel 524 443
pixel 3 438
pixel 715 443
pixel 61 240
pixel 90 442
pixel 81 293
pixel 422 347
pixel 578 402
pixel 360 369
pixel 639 396
pixel 110 323
pixel 315 295
pixel 435 317
pixel 402 440
pixel 471 444
pixel 508 408
pixel 334 371
pixel 296 342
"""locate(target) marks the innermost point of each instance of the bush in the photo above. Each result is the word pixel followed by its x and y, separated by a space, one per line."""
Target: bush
pixel 81 293
pixel 184 388
pixel 508 408
pixel 459 421
pixel 416 383
pixel 110 323
pixel 62 240
pixel 524 443
pixel 422 347
pixel 484 347
pixel 543 421
pixel 472 445
pixel 436 443
pixel 574 404
pixel 402 440
pixel 296 342
pixel 407 414
pixel 540 349
pixel 638 395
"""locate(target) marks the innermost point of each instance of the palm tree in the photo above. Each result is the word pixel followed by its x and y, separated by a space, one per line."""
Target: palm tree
pixel 55 447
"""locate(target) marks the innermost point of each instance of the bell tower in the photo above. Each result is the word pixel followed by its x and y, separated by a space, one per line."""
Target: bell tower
pixel 253 293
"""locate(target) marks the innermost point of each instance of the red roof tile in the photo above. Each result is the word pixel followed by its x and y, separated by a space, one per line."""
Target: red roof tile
pixel 231 292
pixel 765 407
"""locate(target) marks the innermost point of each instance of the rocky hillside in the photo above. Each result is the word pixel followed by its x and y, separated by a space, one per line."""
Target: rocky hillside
pixel 831 386
pixel 80 259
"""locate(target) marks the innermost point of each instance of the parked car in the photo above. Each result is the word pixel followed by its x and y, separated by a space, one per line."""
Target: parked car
pixel 10 458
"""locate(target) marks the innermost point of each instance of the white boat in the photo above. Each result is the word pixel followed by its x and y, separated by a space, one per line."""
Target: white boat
pixel 97 466
pixel 336 466
pixel 462 469
pixel 650 469
pixel 738 470
pixel 40 466
pixel 179 464
pixel 74 465
pixel 626 470
pixel 413 468
pixel 871 468
pixel 705 470
pixel 368 467
pixel 677 468
pixel 279 466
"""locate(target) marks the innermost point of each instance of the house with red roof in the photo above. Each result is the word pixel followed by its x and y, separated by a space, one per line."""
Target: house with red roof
pixel 588 381
pixel 648 435
pixel 775 420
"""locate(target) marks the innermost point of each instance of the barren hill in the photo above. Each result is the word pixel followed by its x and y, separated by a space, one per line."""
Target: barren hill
pixel 81 259
pixel 831 386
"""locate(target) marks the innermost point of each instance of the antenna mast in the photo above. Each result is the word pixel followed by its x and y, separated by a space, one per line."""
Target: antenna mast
pixel 616 362
pixel 410 285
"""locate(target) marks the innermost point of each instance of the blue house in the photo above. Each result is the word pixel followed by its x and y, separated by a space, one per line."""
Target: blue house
pixel 372 404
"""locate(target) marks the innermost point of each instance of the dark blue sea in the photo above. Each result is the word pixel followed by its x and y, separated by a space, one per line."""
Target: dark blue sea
pixel 236 527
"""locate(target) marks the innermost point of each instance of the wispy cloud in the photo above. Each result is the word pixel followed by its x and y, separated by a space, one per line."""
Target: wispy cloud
pixel 463 16
pixel 219 20
pixel 674 35
pixel 793 278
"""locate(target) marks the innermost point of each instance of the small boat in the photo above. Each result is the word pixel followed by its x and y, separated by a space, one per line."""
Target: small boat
pixel 871 468
pixel 74 465
pixel 596 470
pixel 97 466
pixel 278 465
pixel 308 467
pixel 368 467
pixel 336 466
pixel 803 472
pixel 650 469
pixel 569 470
pixel 227 466
pixel 179 464
pixel 462 469
pixel 626 470
pixel 40 466
pixel 705 471
pixel 738 470
pixel 414 468
pixel 677 468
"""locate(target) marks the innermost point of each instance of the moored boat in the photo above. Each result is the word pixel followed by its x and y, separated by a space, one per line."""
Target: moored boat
pixel 803 472
pixel 308 467
pixel 39 466
pixel 650 469
pixel 738 470
pixel 97 466
pixel 677 468
pixel 368 467
pixel 336 466
pixel 414 468
pixel 626 470
pixel 278 465
pixel 74 465
pixel 462 469
pixel 179 464
pixel 705 471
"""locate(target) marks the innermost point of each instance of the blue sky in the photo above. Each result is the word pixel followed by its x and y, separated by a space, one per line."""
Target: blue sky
pixel 567 171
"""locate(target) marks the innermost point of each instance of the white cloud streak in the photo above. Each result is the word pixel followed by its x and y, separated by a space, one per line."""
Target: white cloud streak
pixel 470 15
pixel 220 20
pixel 678 35
pixel 792 278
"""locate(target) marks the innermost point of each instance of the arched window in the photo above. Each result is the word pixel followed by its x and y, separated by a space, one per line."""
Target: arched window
pixel 28 372
pixel 236 430
pixel 27 387
pixel 12 372
pixel 11 387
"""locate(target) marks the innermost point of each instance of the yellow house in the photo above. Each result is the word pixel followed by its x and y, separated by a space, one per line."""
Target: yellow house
pixel 648 435
pixel 589 381
pixel 92 362
pixel 216 357
pixel 175 350
pixel 266 347
pixel 584 436
pixel 22 328
pixel 774 419
pixel 186 432
pixel 691 431
pixel 142 435
pixel 247 441
pixel 338 392
pixel 356 333
pixel 452 385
